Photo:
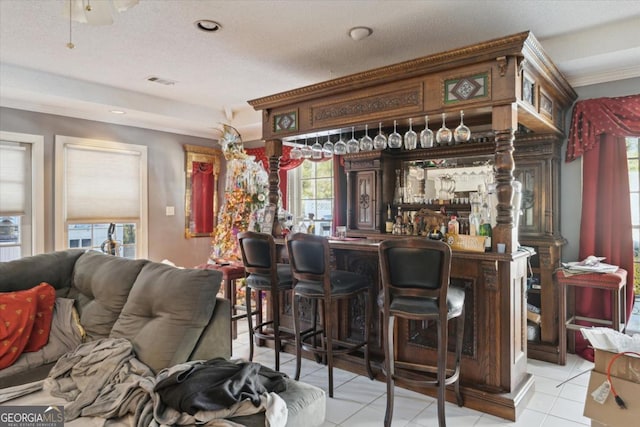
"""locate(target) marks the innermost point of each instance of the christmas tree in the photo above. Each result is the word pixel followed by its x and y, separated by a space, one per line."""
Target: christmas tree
pixel 245 194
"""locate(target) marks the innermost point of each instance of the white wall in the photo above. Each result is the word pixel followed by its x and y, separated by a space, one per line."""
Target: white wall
pixel 571 173
pixel 166 177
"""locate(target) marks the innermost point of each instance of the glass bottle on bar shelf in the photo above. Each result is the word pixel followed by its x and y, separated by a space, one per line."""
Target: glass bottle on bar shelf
pixel 474 216
pixel 454 225
pixel 389 222
pixel 485 226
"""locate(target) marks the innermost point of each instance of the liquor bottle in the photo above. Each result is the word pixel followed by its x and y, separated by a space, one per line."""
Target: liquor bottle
pixel 485 227
pixel 454 225
pixel 474 216
pixel 389 222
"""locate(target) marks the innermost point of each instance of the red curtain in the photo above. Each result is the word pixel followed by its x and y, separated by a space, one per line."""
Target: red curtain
pixel 598 131
pixel 202 197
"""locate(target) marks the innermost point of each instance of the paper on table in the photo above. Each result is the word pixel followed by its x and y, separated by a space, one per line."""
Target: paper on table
pixel 591 264
pixel 611 340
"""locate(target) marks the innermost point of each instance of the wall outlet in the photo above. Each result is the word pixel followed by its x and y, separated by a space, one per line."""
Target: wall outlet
pixel 170 210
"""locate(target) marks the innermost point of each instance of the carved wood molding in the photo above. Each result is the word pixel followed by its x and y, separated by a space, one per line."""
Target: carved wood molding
pixel 510 45
pixel 502 65
pixel 490 275
pixel 349 110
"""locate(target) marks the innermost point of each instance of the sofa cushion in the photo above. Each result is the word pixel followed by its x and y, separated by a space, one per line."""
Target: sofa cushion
pixel 166 312
pixel 54 268
pixel 17 315
pixel 45 300
pixel 101 285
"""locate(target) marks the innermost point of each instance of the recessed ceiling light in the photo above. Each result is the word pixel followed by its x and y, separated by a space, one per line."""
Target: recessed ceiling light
pixel 207 25
pixel 359 33
pixel 117 112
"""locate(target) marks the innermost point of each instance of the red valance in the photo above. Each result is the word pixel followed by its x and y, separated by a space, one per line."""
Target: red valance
pixel 591 118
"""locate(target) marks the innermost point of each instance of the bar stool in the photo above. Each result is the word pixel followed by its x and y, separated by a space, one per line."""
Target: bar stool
pixel 615 283
pixel 415 286
pixel 315 279
pixel 263 274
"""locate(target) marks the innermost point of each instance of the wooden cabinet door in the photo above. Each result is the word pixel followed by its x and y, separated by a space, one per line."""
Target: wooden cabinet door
pixel 365 200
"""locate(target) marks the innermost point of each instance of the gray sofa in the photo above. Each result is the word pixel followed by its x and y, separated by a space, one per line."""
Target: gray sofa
pixel 169 315
pixel 139 300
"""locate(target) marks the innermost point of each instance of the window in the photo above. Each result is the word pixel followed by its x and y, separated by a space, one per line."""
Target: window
pixel 633 160
pixel 310 196
pixel 100 183
pixel 22 200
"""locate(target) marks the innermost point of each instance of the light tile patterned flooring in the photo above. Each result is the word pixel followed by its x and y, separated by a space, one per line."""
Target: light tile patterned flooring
pixel 360 402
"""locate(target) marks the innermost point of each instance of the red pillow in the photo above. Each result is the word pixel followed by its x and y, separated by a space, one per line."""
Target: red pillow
pixel 17 316
pixel 46 299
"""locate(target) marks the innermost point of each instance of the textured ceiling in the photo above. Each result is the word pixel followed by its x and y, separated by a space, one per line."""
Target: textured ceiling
pixel 266 47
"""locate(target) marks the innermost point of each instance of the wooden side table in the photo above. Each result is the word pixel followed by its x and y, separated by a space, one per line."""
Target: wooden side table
pixel 230 274
pixel 616 283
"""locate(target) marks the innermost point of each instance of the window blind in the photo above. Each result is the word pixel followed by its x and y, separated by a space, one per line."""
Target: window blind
pixel 14 178
pixel 102 183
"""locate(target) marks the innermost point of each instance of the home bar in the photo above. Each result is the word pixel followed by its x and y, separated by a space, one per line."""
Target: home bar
pixel 514 101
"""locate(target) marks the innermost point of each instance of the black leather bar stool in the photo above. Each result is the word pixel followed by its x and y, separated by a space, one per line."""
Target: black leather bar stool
pixel 263 274
pixel 415 286
pixel 315 279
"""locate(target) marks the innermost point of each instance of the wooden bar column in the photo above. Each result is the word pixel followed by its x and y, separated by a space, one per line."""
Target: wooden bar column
pixel 273 151
pixel 505 121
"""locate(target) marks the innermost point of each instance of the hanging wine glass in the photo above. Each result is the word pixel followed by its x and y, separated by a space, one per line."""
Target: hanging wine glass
pixel 340 148
pixel 443 136
pixel 380 141
pixel 353 146
pixel 366 143
pixel 295 153
pixel 306 151
pixel 426 136
pixel 316 150
pixel 327 148
pixel 462 133
pixel 395 139
pixel 410 137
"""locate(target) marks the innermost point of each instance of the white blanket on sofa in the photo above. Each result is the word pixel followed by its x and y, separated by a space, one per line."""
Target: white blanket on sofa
pixel 104 379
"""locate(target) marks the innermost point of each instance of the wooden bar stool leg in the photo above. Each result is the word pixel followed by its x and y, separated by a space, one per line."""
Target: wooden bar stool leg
pixel 562 325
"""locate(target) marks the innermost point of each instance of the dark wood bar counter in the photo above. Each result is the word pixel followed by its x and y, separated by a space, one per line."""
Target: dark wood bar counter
pixel 494 377
pixel 514 101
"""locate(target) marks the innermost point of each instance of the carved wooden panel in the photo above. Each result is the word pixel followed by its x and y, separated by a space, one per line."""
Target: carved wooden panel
pixel 366 200
pixel 370 106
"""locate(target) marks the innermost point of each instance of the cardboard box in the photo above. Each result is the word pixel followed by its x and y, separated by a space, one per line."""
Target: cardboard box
pixel 626 367
pixel 625 376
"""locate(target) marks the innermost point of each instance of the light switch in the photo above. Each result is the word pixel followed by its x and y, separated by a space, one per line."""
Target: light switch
pixel 171 210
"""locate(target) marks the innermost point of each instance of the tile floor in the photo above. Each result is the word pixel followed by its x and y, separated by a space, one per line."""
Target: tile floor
pixel 360 402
